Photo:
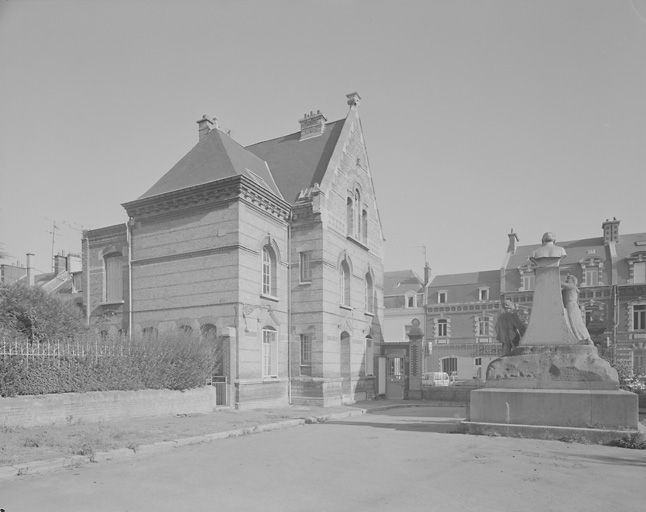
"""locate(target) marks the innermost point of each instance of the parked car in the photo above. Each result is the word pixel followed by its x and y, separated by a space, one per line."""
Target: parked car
pixel 436 379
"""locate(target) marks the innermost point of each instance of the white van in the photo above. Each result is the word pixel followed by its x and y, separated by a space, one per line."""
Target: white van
pixel 435 379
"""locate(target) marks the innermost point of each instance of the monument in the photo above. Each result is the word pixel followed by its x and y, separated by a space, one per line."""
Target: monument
pixel 553 384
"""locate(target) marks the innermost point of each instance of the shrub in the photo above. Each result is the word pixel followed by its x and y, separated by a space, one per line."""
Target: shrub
pixel 30 312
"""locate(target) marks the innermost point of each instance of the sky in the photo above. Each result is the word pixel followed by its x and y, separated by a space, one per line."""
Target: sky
pixel 479 116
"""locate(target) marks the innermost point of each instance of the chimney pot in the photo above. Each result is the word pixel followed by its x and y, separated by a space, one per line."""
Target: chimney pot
pixel 353 99
pixel 205 125
pixel 312 125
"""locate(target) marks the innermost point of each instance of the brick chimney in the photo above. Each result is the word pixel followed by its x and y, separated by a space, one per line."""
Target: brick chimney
pixel 60 263
pixel 205 125
pixel 30 269
pixel 312 125
pixel 513 238
pixel 610 230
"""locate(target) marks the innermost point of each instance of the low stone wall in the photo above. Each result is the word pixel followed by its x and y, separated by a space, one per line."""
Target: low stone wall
pixel 66 408
pixel 457 394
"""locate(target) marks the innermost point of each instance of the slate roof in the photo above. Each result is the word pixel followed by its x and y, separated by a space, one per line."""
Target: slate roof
pixel 485 277
pixel 297 164
pixel 578 250
pixel 398 282
pixel 214 157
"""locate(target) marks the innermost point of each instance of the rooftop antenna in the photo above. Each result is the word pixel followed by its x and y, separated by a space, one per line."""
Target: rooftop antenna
pixel 53 233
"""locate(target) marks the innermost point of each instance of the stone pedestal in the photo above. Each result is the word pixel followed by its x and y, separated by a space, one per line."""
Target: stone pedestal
pixel 553 385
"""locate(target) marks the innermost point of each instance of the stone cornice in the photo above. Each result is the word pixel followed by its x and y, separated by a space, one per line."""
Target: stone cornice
pixel 215 193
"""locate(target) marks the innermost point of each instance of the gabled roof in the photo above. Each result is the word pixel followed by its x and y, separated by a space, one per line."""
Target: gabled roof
pixel 214 157
pixel 297 164
pixel 398 282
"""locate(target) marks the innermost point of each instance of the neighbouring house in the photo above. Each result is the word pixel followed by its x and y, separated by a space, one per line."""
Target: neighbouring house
pixel 611 274
pixel 273 252
pixel 404 302
pixel 65 280
pixel 461 313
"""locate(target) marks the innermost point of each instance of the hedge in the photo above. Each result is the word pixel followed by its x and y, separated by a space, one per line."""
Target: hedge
pixel 176 363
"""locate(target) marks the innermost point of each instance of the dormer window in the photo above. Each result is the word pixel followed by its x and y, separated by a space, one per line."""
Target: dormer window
pixel 411 300
pixel 483 293
pixel 442 297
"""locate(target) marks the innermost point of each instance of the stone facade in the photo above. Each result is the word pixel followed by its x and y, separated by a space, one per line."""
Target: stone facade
pixel 273 251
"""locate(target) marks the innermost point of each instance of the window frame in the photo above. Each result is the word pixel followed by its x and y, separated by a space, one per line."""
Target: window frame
pixel 269 353
pixel 269 269
pixel 305 267
pixel 442 297
pixel 638 317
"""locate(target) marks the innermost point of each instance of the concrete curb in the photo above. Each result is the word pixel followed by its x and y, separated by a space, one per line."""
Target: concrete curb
pixel 50 465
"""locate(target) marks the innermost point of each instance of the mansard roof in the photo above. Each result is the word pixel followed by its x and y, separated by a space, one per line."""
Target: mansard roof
pixel 297 164
pixel 215 157
pixel 580 250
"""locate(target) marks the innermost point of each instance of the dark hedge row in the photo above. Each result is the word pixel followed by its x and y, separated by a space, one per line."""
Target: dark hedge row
pixel 172 363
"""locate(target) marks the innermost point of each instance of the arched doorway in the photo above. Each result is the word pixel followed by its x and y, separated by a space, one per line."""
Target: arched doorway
pixel 345 370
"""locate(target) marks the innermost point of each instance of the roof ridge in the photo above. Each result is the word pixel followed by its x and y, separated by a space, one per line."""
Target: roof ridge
pixel 288 134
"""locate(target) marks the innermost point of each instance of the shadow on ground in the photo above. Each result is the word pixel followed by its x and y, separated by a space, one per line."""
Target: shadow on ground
pixel 443 427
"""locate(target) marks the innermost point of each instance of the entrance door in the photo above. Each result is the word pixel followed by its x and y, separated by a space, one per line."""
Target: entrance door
pixel 396 377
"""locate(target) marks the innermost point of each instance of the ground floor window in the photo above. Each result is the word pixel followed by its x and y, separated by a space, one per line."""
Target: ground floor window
pixel 269 352
pixel 450 365
pixel 306 354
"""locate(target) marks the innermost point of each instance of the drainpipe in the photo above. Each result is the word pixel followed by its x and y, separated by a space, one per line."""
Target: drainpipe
pixel 289 308
pixel 129 227
pixel 87 279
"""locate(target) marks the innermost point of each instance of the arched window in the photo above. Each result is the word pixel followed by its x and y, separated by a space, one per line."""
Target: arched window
pixel 268 271
pixel 349 214
pixel 269 352
pixel 185 330
pixel 364 227
pixel 357 214
pixel 370 294
pixel 344 283
pixel 113 277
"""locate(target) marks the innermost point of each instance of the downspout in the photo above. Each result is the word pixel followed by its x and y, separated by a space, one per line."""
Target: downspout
pixel 87 279
pixel 289 308
pixel 129 225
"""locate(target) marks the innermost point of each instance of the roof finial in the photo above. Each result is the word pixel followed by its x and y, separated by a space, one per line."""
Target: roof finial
pixel 353 99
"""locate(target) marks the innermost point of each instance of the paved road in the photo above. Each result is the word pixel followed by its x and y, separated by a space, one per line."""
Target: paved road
pixel 388 460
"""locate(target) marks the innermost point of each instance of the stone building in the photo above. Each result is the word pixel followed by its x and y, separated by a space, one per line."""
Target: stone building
pixel 273 252
pixel 611 274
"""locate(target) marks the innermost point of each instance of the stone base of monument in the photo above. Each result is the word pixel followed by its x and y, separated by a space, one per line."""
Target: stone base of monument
pixel 575 414
pixel 553 392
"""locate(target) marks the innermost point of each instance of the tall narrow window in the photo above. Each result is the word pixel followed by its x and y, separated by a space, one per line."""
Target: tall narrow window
pixel 639 272
pixel 591 277
pixel 639 317
pixel 306 354
pixel 442 297
pixel 370 294
pixel 344 283
pixel 364 227
pixel 269 352
pixel 113 278
pixel 357 215
pixel 483 326
pixel 268 271
pixel 442 328
pixel 349 214
pixel 528 282
pixel 305 267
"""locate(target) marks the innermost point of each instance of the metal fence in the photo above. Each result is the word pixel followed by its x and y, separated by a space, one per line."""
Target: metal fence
pixel 82 347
